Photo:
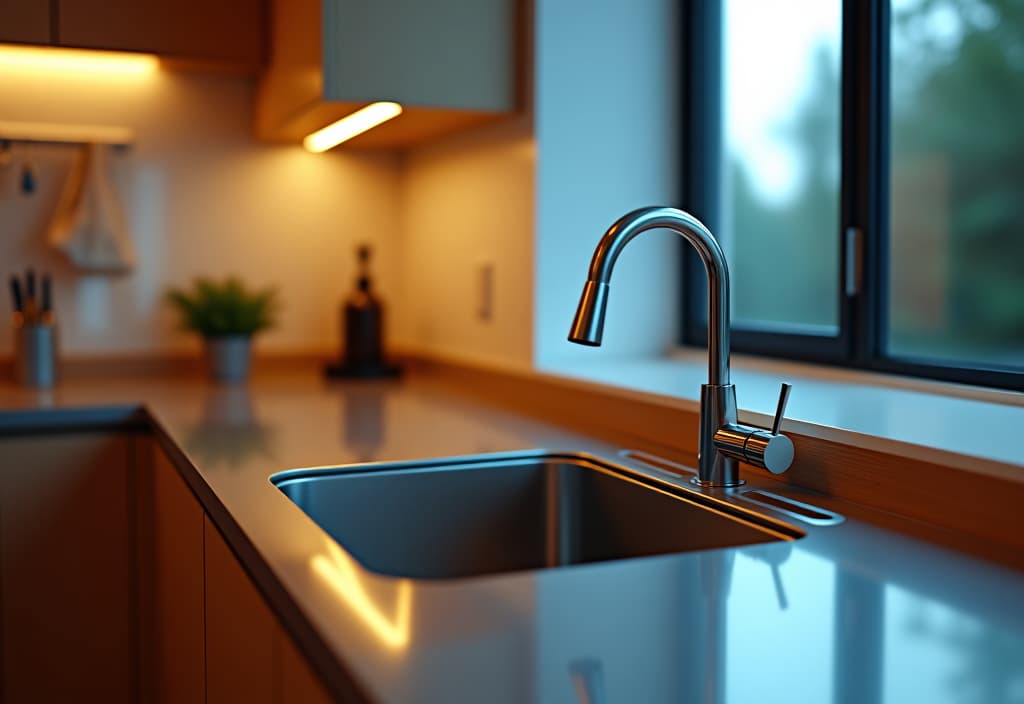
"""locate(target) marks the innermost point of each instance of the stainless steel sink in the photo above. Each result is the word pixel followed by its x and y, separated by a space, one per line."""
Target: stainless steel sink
pixel 468 517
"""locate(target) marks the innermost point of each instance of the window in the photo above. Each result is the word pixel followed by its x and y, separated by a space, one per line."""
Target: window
pixel 862 164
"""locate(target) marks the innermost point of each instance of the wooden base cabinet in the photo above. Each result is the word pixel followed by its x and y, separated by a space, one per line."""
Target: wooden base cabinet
pixel 173 586
pixel 215 638
pixel 68 584
pixel 115 586
pixel 248 656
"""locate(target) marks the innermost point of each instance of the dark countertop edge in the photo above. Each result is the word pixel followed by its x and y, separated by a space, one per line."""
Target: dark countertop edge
pixel 120 417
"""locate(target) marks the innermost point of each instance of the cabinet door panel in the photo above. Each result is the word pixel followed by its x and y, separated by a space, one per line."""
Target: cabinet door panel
pixel 171 559
pixel 249 657
pixel 239 631
pixel 67 578
pixel 25 21
pixel 298 682
pixel 229 31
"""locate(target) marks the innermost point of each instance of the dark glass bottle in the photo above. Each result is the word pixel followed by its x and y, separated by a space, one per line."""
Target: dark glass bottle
pixel 362 324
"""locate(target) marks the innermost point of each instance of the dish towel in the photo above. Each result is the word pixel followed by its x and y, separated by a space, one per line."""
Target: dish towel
pixel 87 226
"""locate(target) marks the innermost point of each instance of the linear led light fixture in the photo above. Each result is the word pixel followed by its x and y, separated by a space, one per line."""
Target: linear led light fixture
pixel 53 60
pixel 351 125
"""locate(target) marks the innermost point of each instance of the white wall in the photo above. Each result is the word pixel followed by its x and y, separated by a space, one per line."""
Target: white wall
pixel 201 197
pixel 465 202
pixel 607 126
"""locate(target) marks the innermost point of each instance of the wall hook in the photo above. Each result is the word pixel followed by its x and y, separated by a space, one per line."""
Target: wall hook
pixel 28 179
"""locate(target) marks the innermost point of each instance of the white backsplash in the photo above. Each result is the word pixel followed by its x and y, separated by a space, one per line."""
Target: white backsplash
pixel 200 196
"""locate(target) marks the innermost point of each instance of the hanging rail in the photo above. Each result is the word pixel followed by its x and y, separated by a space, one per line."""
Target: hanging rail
pixel 52 133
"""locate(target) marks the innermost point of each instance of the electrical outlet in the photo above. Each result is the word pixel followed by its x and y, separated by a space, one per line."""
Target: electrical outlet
pixel 485 291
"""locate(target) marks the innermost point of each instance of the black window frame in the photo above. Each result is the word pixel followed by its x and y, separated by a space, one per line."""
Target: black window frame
pixel 864 184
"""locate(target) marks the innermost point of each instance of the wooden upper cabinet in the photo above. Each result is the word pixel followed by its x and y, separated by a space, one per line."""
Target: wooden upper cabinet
pixel 449 63
pixel 228 33
pixel 25 21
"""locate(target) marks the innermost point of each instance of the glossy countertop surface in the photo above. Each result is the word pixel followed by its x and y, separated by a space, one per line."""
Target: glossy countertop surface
pixel 849 613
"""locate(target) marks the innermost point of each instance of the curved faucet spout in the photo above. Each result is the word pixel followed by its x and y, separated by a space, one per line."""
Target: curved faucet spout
pixel 588 325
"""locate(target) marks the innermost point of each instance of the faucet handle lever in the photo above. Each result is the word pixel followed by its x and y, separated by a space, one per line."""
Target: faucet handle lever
pixel 780 411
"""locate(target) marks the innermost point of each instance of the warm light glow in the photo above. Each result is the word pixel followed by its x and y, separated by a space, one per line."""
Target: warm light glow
pixel 50 61
pixel 340 572
pixel 351 125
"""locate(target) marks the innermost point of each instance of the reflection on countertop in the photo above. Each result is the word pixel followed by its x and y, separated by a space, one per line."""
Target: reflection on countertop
pixel 851 613
pixel 229 429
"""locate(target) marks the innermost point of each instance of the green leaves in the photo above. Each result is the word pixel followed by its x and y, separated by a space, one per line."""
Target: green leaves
pixel 222 308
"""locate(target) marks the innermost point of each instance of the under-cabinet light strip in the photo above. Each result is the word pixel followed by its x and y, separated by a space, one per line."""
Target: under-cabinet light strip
pixel 50 60
pixel 351 125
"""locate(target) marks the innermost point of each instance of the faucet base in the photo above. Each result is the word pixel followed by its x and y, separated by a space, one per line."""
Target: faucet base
pixel 717 485
pixel 717 410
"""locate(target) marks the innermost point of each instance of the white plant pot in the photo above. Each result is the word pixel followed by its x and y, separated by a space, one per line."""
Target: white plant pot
pixel 228 357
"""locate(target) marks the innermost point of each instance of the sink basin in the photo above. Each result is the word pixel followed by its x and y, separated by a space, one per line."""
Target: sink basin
pixel 477 516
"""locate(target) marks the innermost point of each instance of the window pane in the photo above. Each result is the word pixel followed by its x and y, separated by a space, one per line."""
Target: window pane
pixel 780 171
pixel 957 181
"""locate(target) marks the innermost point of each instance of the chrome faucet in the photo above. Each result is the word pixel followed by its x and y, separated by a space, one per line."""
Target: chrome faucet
pixel 723 441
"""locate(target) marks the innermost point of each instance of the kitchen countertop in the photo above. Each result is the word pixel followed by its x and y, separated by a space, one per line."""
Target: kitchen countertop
pixel 849 613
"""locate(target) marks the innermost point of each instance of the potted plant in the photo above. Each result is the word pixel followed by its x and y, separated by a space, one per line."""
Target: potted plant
pixel 227 314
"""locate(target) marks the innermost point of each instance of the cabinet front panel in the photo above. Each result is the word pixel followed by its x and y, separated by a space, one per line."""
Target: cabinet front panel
pixel 25 21
pixel 230 31
pixel 240 657
pixel 68 608
pixel 171 559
